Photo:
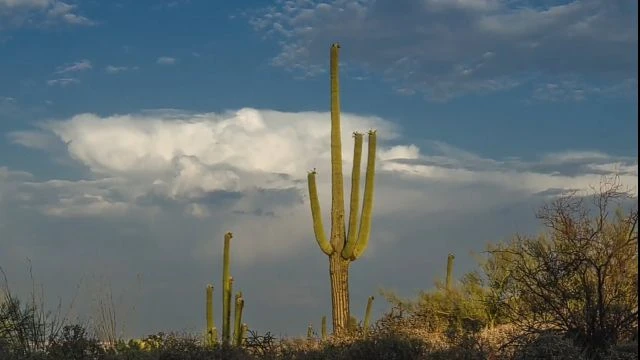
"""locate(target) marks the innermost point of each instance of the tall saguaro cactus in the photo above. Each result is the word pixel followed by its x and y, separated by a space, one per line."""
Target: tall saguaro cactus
pixel 343 246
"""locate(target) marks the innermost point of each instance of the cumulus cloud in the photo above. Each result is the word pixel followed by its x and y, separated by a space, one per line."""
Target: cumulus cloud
pixel 19 13
pixel 445 49
pixel 152 193
pixel 198 158
pixel 166 60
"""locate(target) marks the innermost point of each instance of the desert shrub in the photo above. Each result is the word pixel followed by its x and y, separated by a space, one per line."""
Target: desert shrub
pixel 374 347
pixel 549 346
pixel 74 344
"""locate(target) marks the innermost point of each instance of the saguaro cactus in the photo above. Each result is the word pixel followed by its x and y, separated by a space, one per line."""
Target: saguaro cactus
pixel 367 315
pixel 226 290
pixel 323 329
pixel 238 333
pixel 212 332
pixel 310 332
pixel 344 246
pixel 449 278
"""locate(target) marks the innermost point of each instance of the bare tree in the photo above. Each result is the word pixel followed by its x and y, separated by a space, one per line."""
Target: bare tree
pixel 581 276
pixel 27 327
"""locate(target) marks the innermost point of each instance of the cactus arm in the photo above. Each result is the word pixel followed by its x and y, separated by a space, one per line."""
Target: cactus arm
pixel 337 186
pixel 226 330
pixel 237 326
pixel 367 203
pixel 352 236
pixel 316 215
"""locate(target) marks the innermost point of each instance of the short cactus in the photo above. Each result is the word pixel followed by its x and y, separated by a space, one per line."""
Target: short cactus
pixel 449 278
pixel 212 332
pixel 237 326
pixel 324 328
pixel 367 315
pixel 226 290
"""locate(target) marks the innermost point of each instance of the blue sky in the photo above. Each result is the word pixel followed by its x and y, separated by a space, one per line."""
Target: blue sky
pixel 134 133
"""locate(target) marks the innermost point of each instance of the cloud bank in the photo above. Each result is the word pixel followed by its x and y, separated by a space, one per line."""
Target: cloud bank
pixel 150 194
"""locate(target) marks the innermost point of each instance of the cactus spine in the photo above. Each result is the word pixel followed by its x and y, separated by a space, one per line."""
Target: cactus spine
pixel 367 315
pixel 226 290
pixel 344 246
pixel 212 332
pixel 449 272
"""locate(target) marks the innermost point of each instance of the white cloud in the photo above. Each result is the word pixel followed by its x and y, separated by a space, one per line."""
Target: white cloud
pixel 25 3
pixel 187 156
pixel 63 82
pixel 166 60
pixel 445 49
pixel 171 4
pixel 32 139
pixel 81 65
pixel 111 69
pixel 18 13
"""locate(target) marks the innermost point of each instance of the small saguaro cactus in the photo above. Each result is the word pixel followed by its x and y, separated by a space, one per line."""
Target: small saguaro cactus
pixel 344 245
pixel 367 315
pixel 226 290
pixel 310 332
pixel 237 326
pixel 449 279
pixel 323 330
pixel 212 332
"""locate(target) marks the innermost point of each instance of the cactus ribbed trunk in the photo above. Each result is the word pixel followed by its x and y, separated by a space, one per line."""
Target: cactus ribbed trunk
pixel 339 275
